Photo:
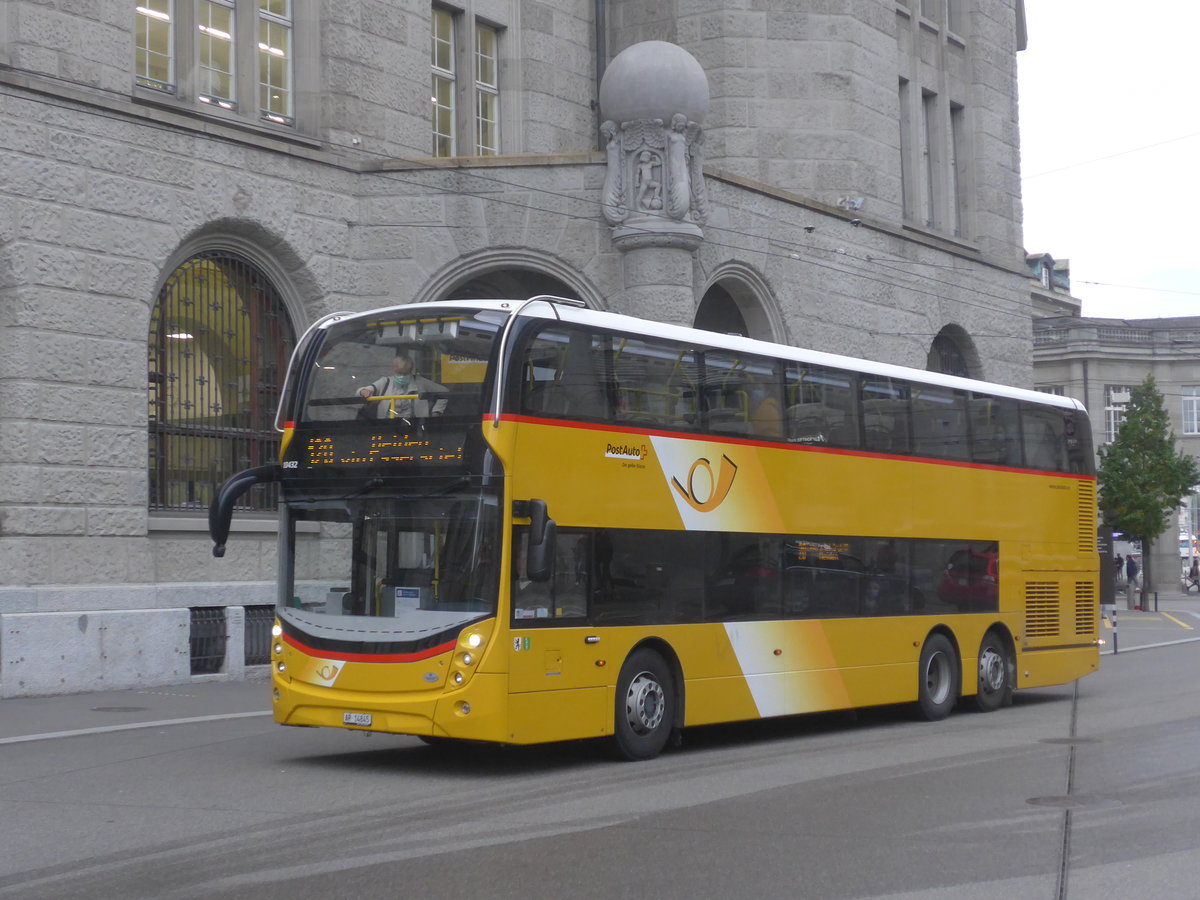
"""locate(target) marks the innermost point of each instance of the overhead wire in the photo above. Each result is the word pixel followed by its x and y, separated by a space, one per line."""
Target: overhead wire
pixel 1119 153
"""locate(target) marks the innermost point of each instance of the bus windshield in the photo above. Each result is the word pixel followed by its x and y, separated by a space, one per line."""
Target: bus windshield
pixel 414 367
pixel 404 564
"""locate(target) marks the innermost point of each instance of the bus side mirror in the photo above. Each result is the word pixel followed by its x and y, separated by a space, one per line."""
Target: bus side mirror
pixel 543 534
pixel 220 510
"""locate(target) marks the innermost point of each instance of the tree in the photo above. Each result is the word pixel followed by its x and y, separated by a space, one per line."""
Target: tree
pixel 1142 477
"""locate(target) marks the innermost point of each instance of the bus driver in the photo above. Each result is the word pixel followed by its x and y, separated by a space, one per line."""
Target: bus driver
pixel 410 390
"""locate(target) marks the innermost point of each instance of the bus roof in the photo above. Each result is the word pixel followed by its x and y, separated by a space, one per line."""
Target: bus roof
pixel 613 321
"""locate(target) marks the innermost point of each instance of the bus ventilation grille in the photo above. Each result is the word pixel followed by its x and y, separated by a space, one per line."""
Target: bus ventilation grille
pixel 1087 611
pixel 1087 517
pixel 208 638
pixel 1041 609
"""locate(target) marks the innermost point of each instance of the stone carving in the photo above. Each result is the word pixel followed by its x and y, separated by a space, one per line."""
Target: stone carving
pixel 654 179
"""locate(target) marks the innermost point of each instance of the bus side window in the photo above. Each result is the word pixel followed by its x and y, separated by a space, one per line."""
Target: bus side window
pixel 886 415
pixel 821 406
pixel 742 395
pixel 564 376
pixel 564 595
pixel 1079 442
pixel 656 383
pixel 995 433
pixel 584 380
pixel 939 422
pixel 1044 435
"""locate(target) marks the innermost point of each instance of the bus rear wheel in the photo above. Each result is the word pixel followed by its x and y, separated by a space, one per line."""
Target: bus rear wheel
pixel 645 707
pixel 995 685
pixel 937 672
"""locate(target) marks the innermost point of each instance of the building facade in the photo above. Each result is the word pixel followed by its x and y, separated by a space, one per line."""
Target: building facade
pixel 1098 361
pixel 187 185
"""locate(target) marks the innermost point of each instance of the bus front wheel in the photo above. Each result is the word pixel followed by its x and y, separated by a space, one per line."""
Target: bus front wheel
pixel 937 686
pixel 645 707
pixel 995 674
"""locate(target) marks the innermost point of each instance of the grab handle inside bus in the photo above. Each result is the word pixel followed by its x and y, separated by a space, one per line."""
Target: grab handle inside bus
pixel 543 538
pixel 220 510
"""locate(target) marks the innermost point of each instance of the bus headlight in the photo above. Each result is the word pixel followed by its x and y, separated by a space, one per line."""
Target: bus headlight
pixel 474 640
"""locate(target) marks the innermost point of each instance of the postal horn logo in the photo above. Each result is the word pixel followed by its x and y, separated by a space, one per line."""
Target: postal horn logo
pixel 706 493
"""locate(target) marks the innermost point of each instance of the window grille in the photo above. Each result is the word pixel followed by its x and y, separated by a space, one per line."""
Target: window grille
pixel 259 620
pixel 219 345
pixel 207 639
pixel 946 357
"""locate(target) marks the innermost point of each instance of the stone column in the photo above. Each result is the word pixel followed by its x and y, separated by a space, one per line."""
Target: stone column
pixel 654 96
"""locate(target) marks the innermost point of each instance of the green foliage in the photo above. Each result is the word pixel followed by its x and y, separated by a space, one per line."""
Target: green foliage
pixel 1142 477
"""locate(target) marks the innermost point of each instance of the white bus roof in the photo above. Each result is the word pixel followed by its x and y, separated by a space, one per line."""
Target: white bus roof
pixel 620 322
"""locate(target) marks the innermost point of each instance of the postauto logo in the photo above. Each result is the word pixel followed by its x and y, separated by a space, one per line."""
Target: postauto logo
pixel 706 490
pixel 626 451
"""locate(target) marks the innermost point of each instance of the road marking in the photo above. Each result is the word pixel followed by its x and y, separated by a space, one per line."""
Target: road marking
pixel 104 729
pixel 1178 622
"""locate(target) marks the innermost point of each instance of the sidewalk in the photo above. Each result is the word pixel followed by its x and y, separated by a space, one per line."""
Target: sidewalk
pixel 1170 618
pixel 1172 595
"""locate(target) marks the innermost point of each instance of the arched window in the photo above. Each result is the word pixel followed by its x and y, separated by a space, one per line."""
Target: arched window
pixel 220 340
pixel 719 312
pixel 946 357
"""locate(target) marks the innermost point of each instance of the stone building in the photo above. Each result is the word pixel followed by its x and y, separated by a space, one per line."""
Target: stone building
pixel 186 185
pixel 1097 361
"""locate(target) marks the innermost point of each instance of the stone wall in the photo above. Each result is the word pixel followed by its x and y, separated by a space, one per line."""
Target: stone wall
pixel 103 193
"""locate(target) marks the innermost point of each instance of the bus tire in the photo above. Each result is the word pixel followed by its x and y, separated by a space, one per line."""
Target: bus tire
pixel 645 706
pixel 995 685
pixel 937 678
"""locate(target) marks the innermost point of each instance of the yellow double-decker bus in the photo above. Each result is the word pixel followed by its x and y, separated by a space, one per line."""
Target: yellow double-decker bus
pixel 529 521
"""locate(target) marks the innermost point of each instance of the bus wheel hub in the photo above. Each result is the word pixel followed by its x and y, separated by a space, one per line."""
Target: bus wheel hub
pixel 991 670
pixel 644 704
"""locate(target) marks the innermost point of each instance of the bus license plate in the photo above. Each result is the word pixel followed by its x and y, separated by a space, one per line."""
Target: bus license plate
pixel 363 719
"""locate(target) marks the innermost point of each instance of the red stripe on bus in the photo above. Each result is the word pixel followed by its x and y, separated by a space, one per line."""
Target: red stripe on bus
pixel 784 445
pixel 345 656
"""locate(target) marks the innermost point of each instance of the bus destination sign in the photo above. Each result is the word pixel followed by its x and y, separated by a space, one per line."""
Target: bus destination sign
pixel 376 449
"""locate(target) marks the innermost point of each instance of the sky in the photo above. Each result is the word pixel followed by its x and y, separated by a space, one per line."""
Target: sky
pixel 1110 151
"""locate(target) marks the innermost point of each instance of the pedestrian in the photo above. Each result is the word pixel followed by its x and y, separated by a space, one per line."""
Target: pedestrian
pixel 1131 572
pixel 1120 561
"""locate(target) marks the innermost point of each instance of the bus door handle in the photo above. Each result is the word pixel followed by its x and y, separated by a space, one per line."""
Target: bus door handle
pixel 592 639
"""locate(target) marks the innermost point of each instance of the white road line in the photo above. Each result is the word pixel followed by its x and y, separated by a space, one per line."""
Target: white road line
pixel 104 729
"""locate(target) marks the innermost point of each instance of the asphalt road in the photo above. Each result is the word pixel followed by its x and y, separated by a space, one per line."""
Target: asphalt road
pixel 1089 790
